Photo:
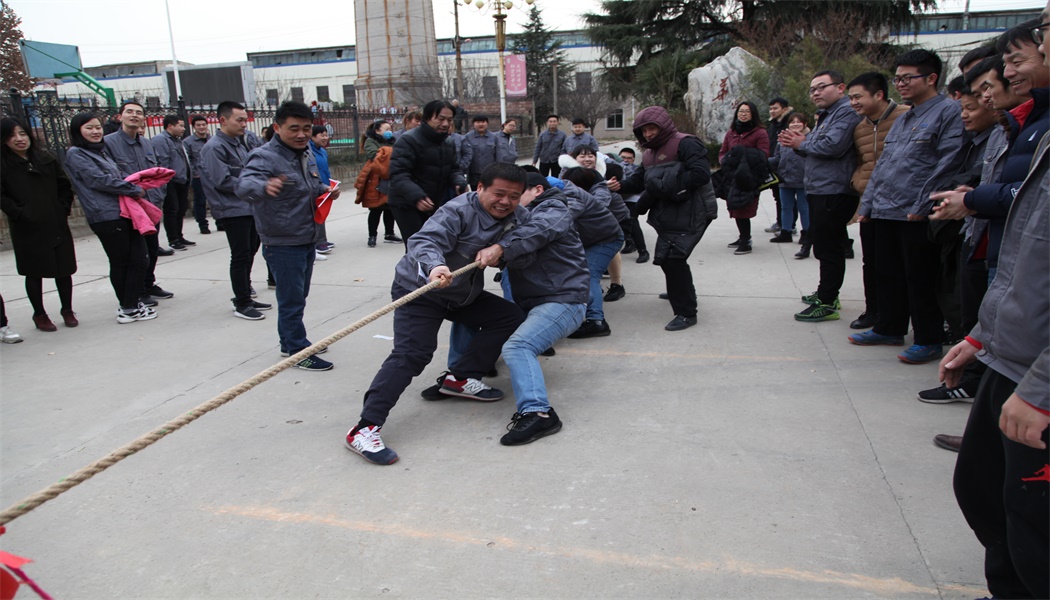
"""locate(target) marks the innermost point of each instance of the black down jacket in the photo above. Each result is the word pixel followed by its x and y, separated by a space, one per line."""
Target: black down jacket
pixel 423 165
pixel 744 170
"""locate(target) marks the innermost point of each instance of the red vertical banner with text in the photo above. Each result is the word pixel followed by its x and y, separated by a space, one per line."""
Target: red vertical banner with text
pixel 517 78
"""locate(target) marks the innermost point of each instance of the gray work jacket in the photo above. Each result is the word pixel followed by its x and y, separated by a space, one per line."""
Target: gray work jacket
pixel 506 148
pixel 222 160
pixel 544 255
pixel 172 154
pixel 548 146
pixel 1014 325
pixel 194 145
pixel 286 219
pixel 830 158
pixel 452 237
pixel 97 181
pixel 133 155
pixel 484 150
pixel 573 141
pixel 922 154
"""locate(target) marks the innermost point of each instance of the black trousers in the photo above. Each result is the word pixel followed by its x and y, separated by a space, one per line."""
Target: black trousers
pixel 828 216
pixel 152 246
pixel 244 243
pixel 869 258
pixel 374 214
pixel 128 259
pixel 416 326
pixel 409 220
pixel 176 203
pixel 908 269
pixel 632 229
pixel 680 290
pixel 200 206
pixel 550 169
pixel 1001 487
pixel 949 241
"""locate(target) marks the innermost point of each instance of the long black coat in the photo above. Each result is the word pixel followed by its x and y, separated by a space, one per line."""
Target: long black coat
pixel 423 164
pixel 37 199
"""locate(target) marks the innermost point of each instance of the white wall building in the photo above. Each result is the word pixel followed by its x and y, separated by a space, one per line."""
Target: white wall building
pixel 328 74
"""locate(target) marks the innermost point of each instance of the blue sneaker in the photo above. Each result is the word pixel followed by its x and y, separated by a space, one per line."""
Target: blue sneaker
pixel 919 355
pixel 870 338
pixel 369 445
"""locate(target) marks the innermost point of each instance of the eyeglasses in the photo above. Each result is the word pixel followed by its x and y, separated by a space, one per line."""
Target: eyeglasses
pixel 819 88
pixel 1037 33
pixel 906 79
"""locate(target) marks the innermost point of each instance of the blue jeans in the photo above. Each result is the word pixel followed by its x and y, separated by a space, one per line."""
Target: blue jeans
pixel 292 268
pixel 598 258
pixel 790 200
pixel 544 325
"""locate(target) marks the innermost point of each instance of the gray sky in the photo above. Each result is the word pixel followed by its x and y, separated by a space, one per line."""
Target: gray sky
pixel 118 31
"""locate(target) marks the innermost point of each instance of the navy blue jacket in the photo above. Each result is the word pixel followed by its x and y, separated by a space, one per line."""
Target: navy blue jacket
pixel 993 200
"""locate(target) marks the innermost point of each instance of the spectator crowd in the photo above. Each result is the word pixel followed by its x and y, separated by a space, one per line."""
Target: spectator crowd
pixel 949 188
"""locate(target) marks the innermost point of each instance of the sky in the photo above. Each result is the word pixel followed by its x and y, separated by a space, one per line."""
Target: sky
pixel 122 31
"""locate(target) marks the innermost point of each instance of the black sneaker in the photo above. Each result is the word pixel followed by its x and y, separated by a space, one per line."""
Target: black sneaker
pixel 186 242
pixel 629 248
pixel 665 296
pixel 733 244
pixel 616 291
pixel 249 313
pixel 433 393
pixel 252 293
pixel 679 323
pixel 743 248
pixel 866 320
pixel 392 239
pixel 945 395
pixel 549 352
pixel 591 329
pixel 178 245
pixel 149 301
pixel 529 427
pixel 165 252
pixel 312 363
pixel 261 305
pixel 205 230
pixel 371 241
pixel 643 257
pixel 158 292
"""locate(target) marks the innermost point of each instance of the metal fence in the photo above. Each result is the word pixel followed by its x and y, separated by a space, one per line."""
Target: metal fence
pixel 49 117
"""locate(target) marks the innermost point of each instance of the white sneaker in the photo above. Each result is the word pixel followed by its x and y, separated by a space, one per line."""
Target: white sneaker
pixel 319 256
pixel 370 446
pixel 9 337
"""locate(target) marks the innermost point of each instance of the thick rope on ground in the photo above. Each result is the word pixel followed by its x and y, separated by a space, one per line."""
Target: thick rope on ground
pixel 67 483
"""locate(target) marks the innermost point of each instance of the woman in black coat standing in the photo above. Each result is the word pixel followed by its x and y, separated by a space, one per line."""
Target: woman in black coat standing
pixel 37 199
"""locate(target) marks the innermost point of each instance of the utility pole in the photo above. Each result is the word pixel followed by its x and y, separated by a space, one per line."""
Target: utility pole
pixel 174 59
pixel 554 69
pixel 458 43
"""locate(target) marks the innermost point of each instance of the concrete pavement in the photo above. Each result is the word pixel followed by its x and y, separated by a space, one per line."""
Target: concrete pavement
pixel 749 456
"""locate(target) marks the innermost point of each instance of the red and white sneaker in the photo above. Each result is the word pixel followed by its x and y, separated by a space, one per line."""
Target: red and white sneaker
pixel 470 388
pixel 369 445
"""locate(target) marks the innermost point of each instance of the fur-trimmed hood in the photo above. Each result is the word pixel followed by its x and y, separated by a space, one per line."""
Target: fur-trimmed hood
pixel 567 162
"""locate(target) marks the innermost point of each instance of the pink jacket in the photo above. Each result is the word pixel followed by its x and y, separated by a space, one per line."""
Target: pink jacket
pixel 143 214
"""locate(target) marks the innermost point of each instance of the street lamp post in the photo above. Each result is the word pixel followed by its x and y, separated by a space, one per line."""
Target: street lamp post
pixel 501 44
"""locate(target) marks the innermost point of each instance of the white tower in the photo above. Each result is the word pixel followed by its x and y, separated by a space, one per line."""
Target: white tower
pixel 397 62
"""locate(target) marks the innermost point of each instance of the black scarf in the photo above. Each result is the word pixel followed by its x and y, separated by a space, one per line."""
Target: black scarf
pixel 743 127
